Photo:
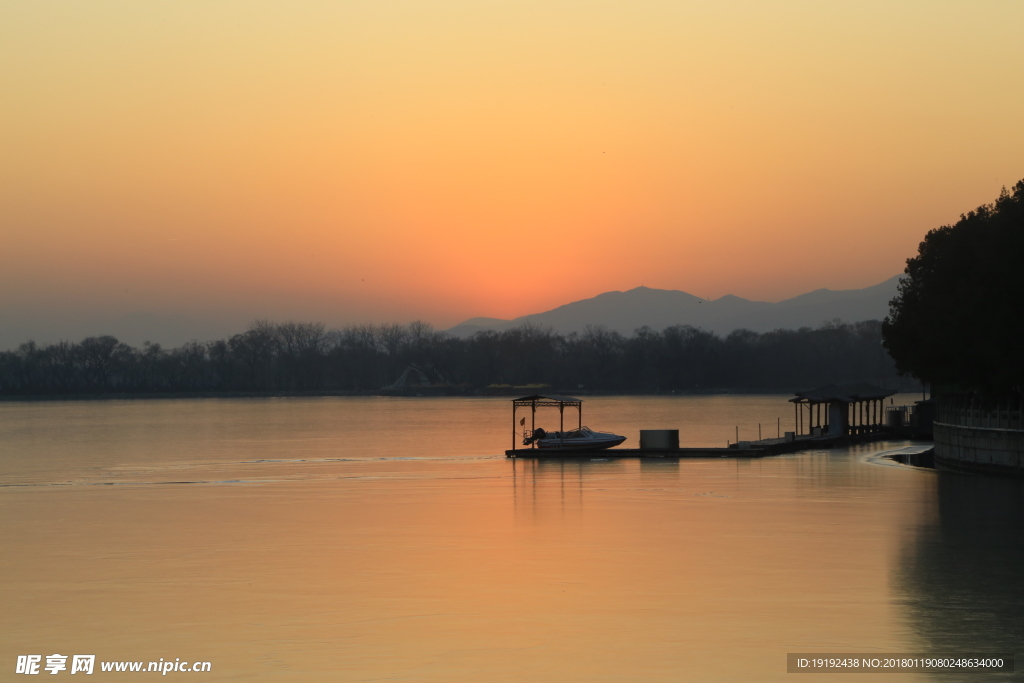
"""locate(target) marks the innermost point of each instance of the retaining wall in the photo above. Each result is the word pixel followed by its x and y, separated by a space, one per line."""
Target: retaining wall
pixel 991 450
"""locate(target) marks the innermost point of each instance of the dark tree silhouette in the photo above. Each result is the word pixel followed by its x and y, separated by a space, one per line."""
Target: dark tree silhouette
pixel 307 357
pixel 958 318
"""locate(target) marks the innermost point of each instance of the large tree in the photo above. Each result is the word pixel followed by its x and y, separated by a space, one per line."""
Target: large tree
pixel 958 318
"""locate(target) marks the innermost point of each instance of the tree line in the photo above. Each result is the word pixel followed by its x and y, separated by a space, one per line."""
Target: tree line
pixel 309 357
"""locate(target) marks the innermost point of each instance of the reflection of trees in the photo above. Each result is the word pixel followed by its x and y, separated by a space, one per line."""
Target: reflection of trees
pixel 962 575
pixel 289 356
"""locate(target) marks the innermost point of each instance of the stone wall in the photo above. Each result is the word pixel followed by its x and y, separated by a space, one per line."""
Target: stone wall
pixel 992 450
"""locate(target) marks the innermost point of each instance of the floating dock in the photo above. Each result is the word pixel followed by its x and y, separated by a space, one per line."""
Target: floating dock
pixel 667 441
pixel 752 449
pixel 639 453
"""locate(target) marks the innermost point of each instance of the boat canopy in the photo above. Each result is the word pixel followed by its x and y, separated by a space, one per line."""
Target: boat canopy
pixel 538 401
pixel 553 399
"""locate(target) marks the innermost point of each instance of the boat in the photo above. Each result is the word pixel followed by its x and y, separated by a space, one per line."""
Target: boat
pixel 580 439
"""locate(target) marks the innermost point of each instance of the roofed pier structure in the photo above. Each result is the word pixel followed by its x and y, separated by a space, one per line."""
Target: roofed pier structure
pixel 537 401
pixel 840 410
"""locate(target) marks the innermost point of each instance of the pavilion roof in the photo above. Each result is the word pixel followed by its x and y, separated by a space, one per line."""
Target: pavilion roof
pixel 843 393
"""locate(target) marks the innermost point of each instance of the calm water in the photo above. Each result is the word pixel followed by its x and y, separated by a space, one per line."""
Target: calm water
pixel 365 539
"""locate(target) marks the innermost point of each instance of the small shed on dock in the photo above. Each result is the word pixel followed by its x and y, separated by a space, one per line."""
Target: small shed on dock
pixel 537 401
pixel 840 409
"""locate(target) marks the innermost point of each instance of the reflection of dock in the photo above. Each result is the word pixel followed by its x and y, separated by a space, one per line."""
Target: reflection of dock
pixel 750 449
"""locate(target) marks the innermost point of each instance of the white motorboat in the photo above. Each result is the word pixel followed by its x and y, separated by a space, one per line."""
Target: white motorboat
pixel 582 439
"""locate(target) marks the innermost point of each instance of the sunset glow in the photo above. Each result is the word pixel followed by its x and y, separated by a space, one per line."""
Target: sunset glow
pixel 388 160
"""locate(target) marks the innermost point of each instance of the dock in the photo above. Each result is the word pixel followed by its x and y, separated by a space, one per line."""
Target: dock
pixel 638 453
pixel 836 415
pixel 752 449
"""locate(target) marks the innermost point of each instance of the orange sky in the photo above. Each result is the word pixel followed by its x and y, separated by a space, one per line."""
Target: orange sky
pixel 441 159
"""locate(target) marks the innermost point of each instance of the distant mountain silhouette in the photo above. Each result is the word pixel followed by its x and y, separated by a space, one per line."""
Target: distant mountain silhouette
pixel 660 308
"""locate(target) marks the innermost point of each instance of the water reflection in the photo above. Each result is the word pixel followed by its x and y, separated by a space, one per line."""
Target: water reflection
pixel 961 575
pixel 659 467
pixel 553 484
pixel 371 539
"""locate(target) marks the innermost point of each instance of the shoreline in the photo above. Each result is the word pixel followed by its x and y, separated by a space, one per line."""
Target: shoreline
pixel 751 391
pixel 113 396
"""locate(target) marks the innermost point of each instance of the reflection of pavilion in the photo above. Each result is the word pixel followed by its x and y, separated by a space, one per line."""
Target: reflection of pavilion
pixel 840 409
pixel 542 488
pixel 555 487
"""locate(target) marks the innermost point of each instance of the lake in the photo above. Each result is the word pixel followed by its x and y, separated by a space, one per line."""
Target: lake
pixel 363 539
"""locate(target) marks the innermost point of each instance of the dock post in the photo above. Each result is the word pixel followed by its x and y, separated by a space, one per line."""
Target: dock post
pixel 533 422
pixel 514 425
pixel 561 424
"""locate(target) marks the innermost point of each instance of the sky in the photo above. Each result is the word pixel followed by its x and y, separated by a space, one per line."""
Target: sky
pixel 208 163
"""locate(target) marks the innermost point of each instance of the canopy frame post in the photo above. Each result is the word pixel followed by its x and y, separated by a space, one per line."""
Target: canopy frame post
pixel 537 401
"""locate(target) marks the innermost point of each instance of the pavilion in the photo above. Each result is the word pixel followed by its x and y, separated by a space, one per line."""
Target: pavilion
pixel 840 409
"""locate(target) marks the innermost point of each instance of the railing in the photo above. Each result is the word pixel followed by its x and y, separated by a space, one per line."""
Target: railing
pixel 972 412
pixel 908 416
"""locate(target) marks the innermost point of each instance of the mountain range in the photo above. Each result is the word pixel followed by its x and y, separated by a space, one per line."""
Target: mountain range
pixel 627 311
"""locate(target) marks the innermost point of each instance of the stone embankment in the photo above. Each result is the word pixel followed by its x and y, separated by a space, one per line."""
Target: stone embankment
pixel 987 439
